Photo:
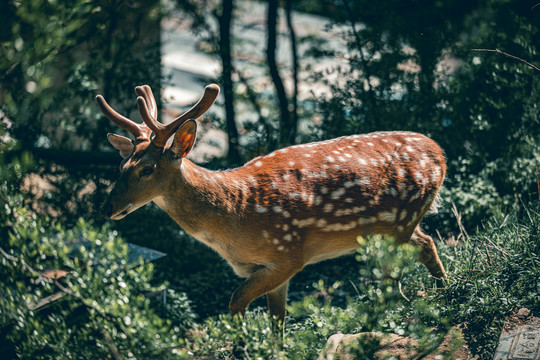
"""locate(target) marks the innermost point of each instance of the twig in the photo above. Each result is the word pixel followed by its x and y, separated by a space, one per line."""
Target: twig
pixel 111 345
pixel 510 56
pixel 538 183
pixel 460 224
pixel 401 292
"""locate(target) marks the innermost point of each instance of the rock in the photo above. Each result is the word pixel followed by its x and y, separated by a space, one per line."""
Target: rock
pixel 523 313
pixel 520 337
pixel 391 345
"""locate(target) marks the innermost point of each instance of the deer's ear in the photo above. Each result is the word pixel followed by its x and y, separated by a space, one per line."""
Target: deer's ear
pixel 121 143
pixel 184 139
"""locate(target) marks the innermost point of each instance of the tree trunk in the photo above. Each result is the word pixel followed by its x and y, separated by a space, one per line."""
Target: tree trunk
pixel 225 52
pixel 284 129
pixel 294 52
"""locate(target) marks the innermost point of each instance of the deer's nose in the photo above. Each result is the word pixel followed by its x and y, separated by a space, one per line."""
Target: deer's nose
pixel 106 210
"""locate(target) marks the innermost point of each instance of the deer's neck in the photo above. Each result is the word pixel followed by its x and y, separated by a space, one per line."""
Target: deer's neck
pixel 204 203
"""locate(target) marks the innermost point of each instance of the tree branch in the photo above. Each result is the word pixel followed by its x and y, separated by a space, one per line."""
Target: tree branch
pixel 510 56
pixel 272 16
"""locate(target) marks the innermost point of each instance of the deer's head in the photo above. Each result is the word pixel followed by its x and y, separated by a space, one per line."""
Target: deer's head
pixel 148 160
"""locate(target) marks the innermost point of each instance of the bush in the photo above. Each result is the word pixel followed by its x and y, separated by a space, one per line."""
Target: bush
pixel 100 310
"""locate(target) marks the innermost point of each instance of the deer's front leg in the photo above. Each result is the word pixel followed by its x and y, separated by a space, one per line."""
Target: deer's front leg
pixel 263 281
pixel 277 301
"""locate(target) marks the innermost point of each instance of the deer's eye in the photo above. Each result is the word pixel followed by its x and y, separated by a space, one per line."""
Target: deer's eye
pixel 147 171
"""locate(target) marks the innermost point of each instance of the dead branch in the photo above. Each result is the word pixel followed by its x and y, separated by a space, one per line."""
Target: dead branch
pixel 510 56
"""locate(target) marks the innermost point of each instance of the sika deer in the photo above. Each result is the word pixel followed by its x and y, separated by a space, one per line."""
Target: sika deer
pixel 280 212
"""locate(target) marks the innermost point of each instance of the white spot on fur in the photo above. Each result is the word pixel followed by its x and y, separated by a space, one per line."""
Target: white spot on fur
pixel 287 237
pixel 414 197
pixel 389 216
pixel 374 162
pixel 324 190
pixel 260 209
pixel 252 180
pixel 337 193
pixel 277 209
pixel 275 241
pixel 404 194
pixel 281 247
pixel 370 144
pixel 436 173
pixel 402 215
pixel 348 184
pixel 265 234
pixel 258 163
pixel 362 161
pixel 286 214
pixel 369 220
pixel 294 195
pixel 328 207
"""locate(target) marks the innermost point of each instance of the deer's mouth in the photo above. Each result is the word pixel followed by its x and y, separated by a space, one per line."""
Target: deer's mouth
pixel 120 214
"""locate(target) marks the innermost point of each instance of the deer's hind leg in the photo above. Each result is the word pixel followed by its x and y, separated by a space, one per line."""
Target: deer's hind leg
pixel 428 254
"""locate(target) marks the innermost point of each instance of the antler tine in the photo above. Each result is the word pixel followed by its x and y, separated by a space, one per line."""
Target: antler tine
pixel 120 120
pixel 162 135
pixel 146 92
pixel 151 100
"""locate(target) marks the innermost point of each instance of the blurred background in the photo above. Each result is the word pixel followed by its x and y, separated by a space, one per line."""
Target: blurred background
pixel 290 72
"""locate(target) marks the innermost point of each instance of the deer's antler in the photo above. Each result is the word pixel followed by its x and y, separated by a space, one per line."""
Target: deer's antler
pixel 148 109
pixel 140 131
pixel 164 132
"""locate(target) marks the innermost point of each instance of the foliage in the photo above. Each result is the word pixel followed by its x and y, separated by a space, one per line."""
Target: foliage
pixel 55 56
pixel 101 310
